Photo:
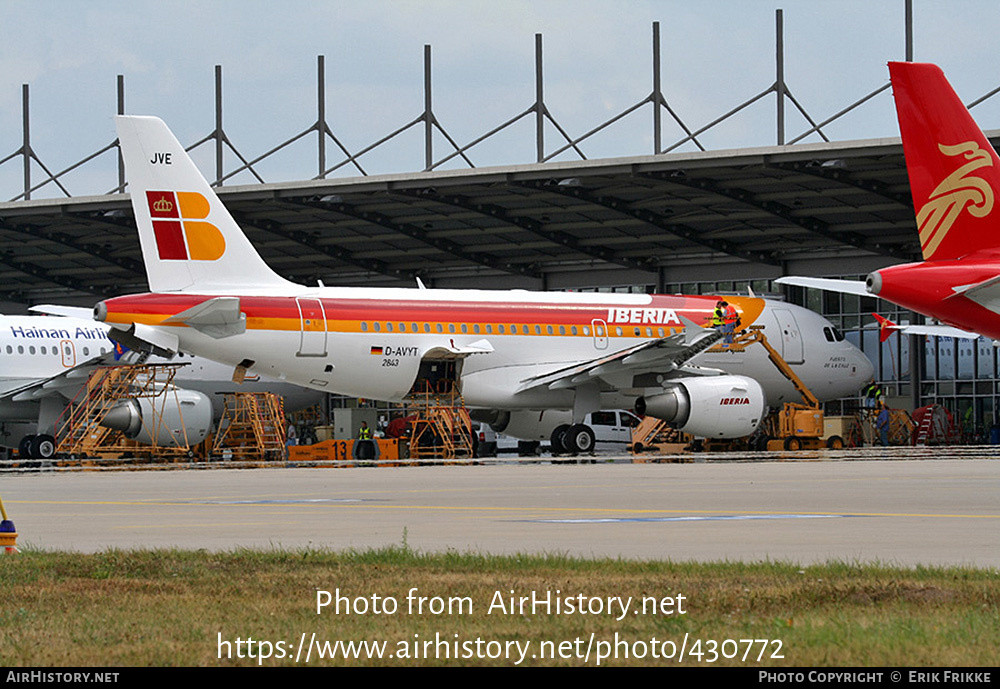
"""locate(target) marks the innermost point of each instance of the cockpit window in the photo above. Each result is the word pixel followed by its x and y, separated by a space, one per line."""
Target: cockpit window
pixel 832 334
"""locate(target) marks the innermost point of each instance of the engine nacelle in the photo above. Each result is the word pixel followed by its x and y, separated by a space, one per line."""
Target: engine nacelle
pixel 170 419
pixel 709 407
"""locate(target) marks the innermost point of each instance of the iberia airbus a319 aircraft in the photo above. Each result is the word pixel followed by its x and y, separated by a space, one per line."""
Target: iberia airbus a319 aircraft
pixel 534 363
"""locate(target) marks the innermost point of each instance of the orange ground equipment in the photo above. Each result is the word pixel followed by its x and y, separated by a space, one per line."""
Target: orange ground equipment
pixel 8 534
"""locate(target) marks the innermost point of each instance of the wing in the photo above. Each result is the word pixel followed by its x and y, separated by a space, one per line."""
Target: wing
pixel 934 329
pixel 887 327
pixel 69 381
pixel 69 311
pixel 830 285
pixel 667 356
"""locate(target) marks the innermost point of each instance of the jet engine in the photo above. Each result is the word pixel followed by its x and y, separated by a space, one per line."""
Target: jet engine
pixel 174 417
pixel 709 407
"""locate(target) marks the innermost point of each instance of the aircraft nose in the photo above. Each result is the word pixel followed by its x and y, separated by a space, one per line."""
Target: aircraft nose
pixel 865 368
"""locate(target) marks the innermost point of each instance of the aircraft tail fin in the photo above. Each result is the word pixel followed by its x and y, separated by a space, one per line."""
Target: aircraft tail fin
pixel 954 170
pixel 190 242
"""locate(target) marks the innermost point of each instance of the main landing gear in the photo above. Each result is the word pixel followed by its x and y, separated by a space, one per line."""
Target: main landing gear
pixel 575 439
pixel 37 446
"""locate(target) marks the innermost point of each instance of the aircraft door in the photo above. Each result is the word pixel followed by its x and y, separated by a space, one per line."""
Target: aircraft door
pixel 68 353
pixel 791 337
pixel 312 319
pixel 600 333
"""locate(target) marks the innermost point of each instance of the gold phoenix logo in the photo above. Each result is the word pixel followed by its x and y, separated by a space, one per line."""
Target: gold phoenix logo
pixel 163 206
pixel 953 195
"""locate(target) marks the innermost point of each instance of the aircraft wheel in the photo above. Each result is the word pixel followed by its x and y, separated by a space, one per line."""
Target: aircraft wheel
pixel 527 448
pixel 43 446
pixel 558 439
pixel 835 442
pixel 24 448
pixel 579 438
pixel 793 444
pixel 364 449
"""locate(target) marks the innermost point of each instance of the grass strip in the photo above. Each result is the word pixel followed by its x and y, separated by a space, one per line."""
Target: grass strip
pixel 185 608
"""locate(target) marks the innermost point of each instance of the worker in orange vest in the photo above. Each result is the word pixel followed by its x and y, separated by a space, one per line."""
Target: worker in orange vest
pixel 729 318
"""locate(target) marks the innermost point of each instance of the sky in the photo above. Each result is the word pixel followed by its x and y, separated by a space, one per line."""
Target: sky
pixel 715 54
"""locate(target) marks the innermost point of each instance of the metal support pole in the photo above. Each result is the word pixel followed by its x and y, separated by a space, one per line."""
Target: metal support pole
pixel 539 103
pixel 916 360
pixel 218 124
pixel 909 30
pixel 26 143
pixel 428 116
pixel 656 88
pixel 779 82
pixel 121 111
pixel 321 113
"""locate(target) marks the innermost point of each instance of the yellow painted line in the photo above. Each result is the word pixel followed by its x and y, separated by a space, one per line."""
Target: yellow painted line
pixel 464 508
pixel 188 525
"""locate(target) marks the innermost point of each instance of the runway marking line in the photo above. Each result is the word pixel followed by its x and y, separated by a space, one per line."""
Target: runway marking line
pixel 730 517
pixel 187 525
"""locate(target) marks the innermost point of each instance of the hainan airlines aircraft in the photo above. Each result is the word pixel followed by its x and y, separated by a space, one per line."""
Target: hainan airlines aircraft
pixel 954 177
pixel 518 356
pixel 45 360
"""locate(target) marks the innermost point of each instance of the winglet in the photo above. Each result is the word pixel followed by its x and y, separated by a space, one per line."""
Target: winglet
pixel 885 327
pixel 693 332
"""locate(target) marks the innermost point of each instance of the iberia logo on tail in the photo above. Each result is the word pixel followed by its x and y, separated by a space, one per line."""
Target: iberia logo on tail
pixel 180 228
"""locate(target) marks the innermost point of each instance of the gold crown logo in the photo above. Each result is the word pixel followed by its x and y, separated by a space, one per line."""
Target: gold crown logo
pixel 162 206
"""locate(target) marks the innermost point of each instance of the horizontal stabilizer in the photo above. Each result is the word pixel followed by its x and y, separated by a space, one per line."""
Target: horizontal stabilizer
pixel 985 293
pixel 828 284
pixel 219 317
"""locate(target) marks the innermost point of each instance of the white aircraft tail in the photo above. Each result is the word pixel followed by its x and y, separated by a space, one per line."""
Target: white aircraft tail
pixel 190 242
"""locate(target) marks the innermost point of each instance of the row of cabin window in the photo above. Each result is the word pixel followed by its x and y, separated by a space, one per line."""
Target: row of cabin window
pixel 45 350
pixel 502 329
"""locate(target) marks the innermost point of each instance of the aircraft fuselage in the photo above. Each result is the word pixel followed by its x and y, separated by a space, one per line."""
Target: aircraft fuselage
pixel 371 342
